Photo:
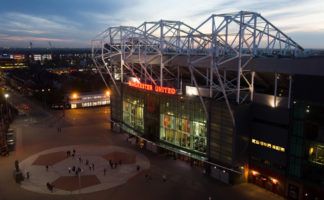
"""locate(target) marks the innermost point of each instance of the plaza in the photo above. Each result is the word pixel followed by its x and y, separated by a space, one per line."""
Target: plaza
pixel 88 132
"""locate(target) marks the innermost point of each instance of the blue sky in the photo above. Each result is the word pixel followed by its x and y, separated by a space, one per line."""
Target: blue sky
pixel 73 23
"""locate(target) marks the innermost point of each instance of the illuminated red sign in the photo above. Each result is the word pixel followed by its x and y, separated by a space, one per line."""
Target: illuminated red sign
pixel 149 87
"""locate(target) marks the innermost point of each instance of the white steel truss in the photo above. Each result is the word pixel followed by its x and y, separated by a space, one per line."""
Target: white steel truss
pixel 215 55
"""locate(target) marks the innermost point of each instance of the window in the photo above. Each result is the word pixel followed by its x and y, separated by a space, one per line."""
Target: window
pixel 316 154
pixel 133 112
pixel 268 145
pixel 183 124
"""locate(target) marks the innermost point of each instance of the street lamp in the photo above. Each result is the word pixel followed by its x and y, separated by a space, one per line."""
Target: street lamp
pixel 107 93
pixel 6 96
pixel 74 95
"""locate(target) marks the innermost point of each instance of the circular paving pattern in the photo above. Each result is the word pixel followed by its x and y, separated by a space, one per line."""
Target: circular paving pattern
pixel 102 167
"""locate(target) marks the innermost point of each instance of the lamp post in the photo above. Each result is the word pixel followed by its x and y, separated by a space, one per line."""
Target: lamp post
pixel 6 96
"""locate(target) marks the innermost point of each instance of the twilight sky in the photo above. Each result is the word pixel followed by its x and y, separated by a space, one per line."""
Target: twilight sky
pixel 73 23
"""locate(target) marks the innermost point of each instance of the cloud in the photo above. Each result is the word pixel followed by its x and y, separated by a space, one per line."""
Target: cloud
pixel 80 21
pixel 20 22
pixel 4 37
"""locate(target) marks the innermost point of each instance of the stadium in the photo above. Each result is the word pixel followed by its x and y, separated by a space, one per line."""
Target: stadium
pixel 235 95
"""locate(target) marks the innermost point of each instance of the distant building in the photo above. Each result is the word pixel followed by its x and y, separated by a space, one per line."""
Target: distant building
pixel 83 100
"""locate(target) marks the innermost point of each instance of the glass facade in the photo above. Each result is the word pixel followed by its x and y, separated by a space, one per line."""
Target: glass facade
pixel 133 112
pixel 316 154
pixel 296 141
pixel 183 123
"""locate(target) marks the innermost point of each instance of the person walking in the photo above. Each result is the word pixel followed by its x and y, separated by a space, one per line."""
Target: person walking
pixel 93 166
pixel 46 168
pixel 27 175
pixel 69 170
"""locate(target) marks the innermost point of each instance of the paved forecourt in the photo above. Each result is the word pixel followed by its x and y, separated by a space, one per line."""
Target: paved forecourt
pixel 107 167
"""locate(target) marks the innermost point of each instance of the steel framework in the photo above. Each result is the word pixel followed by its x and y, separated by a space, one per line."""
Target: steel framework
pixel 214 55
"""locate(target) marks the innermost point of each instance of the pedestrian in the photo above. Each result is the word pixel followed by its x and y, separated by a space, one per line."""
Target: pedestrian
pixel 138 167
pixel 90 167
pixel 49 186
pixel 73 151
pixel 27 175
pixel 164 177
pixel 93 166
pixel 111 164
pixel 67 154
pixel 80 159
pixel 87 162
pixel 46 167
pixel 73 154
pixel 69 170
pixel 73 168
pixel 104 171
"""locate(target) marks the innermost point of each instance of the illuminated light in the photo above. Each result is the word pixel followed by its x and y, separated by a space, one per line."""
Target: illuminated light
pixel 107 93
pixel 242 167
pixel 224 171
pixel 254 173
pixel 140 85
pixel 165 90
pixel 307 110
pixel 274 181
pixel 6 95
pixel 215 167
pixel 268 145
pixel 295 102
pixel 74 96
pixel 149 87
pixel 191 91
pixel 311 151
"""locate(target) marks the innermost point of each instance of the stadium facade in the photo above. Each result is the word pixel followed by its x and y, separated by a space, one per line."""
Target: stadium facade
pixel 234 94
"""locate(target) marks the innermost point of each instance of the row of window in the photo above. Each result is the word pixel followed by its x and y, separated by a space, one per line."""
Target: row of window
pixel 268 145
pixel 90 104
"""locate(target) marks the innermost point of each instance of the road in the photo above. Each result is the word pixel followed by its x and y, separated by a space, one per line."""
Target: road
pixel 37 131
